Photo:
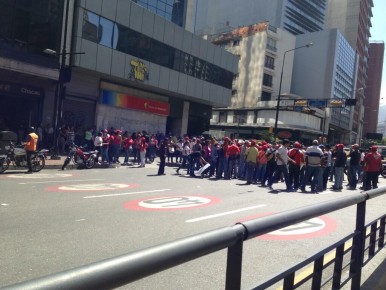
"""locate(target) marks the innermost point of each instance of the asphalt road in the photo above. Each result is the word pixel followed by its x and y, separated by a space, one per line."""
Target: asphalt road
pixel 56 220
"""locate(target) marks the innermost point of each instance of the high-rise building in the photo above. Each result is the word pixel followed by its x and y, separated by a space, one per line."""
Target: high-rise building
pixel 216 16
pixel 373 88
pixel 28 76
pixel 330 69
pixel 266 64
pixel 353 19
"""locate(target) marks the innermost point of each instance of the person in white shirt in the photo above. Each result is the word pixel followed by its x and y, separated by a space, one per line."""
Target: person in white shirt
pixel 281 160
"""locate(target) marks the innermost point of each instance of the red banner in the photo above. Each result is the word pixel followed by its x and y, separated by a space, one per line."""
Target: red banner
pixel 132 102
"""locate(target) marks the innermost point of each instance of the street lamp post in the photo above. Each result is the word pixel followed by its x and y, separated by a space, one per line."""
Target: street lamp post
pixel 63 78
pixel 281 79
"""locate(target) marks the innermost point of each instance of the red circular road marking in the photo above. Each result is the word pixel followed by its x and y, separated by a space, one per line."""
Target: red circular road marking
pixel 311 228
pixel 40 175
pixel 166 203
pixel 92 187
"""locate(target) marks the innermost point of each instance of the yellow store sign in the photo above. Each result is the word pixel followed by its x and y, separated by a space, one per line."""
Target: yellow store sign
pixel 138 70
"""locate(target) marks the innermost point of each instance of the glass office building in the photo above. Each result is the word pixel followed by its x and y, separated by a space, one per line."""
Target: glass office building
pixel 172 10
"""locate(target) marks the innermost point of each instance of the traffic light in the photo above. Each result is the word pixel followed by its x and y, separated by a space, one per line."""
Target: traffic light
pixel 351 102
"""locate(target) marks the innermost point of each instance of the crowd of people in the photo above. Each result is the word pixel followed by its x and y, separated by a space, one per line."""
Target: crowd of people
pixel 256 162
pixel 296 165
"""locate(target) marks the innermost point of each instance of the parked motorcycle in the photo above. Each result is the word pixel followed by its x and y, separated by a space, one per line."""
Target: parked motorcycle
pixel 17 155
pixel 80 157
pixel 383 171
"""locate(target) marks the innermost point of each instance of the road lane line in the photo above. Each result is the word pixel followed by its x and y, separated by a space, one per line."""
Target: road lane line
pixel 224 213
pixel 126 193
pixel 62 181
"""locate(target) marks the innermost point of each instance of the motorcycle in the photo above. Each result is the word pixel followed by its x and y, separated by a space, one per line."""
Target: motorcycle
pixel 17 155
pixel 80 157
pixel 383 170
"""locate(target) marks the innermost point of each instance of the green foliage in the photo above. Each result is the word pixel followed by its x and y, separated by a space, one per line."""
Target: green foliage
pixel 266 135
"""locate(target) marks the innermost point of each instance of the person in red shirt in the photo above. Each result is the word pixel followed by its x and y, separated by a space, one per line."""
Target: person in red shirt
pixel 128 146
pixel 373 165
pixel 233 152
pixel 294 167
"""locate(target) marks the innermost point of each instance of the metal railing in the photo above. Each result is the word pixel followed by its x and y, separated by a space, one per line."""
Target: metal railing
pixel 122 270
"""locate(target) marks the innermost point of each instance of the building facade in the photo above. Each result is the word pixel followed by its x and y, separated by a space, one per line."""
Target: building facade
pixel 262 73
pixel 353 19
pixel 216 16
pixel 171 10
pixel 28 76
pixel 373 88
pixel 330 67
pixel 122 66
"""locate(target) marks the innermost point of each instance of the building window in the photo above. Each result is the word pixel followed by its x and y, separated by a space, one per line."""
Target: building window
pixel 222 118
pixel 236 42
pixel 271 44
pixel 172 10
pixel 240 117
pixel 105 32
pixel 30 27
pixel 267 80
pixel 265 96
pixel 269 62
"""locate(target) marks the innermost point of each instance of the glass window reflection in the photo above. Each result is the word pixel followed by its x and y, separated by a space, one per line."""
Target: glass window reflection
pixel 106 32
pixel 90 26
pixel 126 40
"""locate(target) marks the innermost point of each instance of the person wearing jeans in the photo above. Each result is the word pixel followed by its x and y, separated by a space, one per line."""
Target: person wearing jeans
pixel 339 164
pixel 355 169
pixel 281 160
pixel 313 160
pixel 251 160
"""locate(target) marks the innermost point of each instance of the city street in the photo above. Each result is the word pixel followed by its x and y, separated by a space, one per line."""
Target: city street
pixel 56 220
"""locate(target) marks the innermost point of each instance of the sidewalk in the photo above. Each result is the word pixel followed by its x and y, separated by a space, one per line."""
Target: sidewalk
pixel 374 272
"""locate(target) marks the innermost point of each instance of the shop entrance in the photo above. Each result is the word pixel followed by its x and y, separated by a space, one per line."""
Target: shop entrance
pixel 18 113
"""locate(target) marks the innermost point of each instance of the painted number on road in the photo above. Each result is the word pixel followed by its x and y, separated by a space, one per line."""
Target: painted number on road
pixel 311 228
pixel 170 202
pixel 91 187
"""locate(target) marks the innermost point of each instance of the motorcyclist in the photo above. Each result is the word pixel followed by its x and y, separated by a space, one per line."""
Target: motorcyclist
pixel 30 147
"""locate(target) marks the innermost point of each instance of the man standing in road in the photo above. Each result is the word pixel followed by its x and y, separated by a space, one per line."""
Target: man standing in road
pixel 30 147
pixel 294 168
pixel 339 164
pixel 313 164
pixel 162 156
pixel 373 165
pixel 251 159
pixel 282 160
pixel 355 168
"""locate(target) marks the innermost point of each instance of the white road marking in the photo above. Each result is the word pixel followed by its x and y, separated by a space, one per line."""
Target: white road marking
pixel 125 193
pixel 224 213
pixel 61 181
pixel 326 192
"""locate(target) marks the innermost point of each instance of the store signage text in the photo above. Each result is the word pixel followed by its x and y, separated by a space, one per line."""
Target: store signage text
pixel 138 71
pixel 125 101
